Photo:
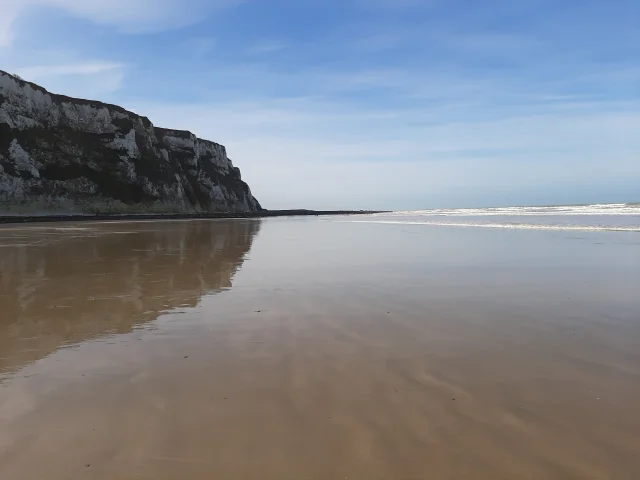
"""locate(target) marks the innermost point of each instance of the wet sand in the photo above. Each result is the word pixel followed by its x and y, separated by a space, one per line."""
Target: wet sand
pixel 315 349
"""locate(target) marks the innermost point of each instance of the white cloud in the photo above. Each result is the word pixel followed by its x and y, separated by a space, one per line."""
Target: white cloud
pixel 9 9
pixel 129 16
pixel 82 79
pixel 43 71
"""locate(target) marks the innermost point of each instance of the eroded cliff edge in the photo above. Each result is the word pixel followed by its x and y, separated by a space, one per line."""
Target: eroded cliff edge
pixel 65 155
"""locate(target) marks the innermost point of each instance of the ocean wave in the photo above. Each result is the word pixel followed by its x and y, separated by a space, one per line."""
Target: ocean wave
pixel 512 226
pixel 594 209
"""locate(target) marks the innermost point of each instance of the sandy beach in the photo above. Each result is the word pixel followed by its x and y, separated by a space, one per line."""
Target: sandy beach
pixel 317 348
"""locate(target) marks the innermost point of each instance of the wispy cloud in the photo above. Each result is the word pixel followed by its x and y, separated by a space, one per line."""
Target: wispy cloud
pixel 491 43
pixel 394 4
pixel 86 79
pixel 380 42
pixel 200 46
pixel 39 72
pixel 127 15
pixel 266 46
pixel 10 10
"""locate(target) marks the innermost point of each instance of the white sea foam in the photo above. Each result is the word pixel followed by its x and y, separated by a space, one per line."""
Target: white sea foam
pixel 513 226
pixel 595 209
pixel 619 217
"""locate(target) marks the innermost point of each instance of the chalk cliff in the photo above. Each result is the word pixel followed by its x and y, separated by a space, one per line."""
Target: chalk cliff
pixel 66 155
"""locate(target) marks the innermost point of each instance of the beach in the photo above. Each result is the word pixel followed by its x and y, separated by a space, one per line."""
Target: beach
pixel 469 345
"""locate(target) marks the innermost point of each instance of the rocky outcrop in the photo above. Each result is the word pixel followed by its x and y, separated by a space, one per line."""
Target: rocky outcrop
pixel 66 155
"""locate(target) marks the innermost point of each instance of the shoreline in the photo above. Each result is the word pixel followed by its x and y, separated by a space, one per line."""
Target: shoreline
pixel 12 219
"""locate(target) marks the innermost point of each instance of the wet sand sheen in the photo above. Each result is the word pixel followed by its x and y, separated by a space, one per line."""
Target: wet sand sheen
pixel 295 349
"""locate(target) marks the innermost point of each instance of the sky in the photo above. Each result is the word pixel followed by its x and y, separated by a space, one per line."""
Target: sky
pixel 381 104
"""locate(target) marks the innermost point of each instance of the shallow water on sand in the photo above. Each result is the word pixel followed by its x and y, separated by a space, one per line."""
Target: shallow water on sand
pixel 317 349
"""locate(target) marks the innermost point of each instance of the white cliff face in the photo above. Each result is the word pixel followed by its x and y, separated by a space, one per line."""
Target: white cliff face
pixel 127 143
pixel 60 154
pixel 21 160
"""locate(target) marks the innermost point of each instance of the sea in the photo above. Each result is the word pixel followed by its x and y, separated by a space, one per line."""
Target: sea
pixel 622 217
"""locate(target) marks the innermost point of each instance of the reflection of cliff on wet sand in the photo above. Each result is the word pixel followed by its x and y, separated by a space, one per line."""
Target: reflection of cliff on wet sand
pixel 136 270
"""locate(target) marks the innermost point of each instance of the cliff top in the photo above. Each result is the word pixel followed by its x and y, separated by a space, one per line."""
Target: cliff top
pixel 98 104
pixel 77 101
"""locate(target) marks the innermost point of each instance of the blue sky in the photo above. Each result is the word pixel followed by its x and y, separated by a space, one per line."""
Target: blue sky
pixel 403 104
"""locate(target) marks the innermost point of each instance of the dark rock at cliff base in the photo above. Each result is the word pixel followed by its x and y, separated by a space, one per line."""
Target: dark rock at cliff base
pixel 66 155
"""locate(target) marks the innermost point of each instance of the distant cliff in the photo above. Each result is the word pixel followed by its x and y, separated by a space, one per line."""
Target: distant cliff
pixel 66 155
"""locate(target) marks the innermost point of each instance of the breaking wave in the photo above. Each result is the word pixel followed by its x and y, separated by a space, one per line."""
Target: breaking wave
pixel 618 217
pixel 595 209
